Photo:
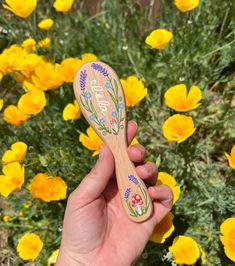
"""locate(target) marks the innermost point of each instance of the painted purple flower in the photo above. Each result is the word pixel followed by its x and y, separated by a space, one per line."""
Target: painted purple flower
pixel 133 179
pixel 100 69
pixel 127 193
pixel 83 76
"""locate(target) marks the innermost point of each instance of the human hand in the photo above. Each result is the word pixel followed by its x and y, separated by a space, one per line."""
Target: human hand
pixel 96 230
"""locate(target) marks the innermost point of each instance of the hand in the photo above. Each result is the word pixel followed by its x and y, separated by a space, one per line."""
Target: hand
pixel 96 230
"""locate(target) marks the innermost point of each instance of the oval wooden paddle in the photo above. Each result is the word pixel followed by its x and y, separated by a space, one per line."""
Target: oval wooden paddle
pixel 101 99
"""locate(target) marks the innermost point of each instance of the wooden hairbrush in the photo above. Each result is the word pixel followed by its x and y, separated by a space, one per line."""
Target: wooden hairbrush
pixel 101 100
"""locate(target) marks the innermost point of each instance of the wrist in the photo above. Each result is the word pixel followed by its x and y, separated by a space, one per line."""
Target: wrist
pixel 67 259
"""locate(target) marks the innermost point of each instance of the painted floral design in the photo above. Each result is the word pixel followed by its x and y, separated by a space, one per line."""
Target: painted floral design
pixel 138 205
pixel 114 125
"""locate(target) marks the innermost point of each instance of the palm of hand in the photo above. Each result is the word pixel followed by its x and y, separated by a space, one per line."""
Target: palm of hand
pixel 102 229
pixel 96 229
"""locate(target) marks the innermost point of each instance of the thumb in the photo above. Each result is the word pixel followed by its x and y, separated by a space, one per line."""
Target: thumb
pixel 96 181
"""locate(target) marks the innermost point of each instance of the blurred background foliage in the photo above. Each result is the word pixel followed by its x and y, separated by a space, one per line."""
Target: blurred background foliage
pixel 202 53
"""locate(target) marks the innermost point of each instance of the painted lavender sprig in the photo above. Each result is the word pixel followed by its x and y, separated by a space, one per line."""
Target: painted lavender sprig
pixel 127 193
pixel 100 69
pixel 83 76
pixel 133 179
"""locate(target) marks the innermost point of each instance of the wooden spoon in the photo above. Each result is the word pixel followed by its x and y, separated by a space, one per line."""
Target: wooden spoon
pixel 101 99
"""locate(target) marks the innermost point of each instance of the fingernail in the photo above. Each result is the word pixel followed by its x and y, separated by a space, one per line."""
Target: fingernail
pixel 133 121
pixel 101 155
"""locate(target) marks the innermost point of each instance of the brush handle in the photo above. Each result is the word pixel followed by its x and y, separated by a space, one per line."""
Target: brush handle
pixel 133 192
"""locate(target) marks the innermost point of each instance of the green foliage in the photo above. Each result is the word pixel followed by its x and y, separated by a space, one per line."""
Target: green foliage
pixel 202 53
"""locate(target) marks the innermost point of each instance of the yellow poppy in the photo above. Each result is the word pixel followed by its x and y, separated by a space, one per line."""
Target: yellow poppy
pixel 176 98
pixel 53 258
pixel 16 153
pixel 12 179
pixel 69 68
pixel 134 90
pixel 47 188
pixel 14 116
pixel 46 24
pixel 45 43
pixel 32 102
pixel 21 8
pixel 166 179
pixel 1 104
pixel 29 45
pixel 227 229
pixel 88 57
pixel 164 229
pixel 71 111
pixel 63 5
pixel 29 246
pixel 186 5
pixel 178 128
pixel 159 38
pixel 185 250
pixel 47 76
pixel 231 157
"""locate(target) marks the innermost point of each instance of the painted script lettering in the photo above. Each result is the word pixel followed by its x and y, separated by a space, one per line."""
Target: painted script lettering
pixel 99 96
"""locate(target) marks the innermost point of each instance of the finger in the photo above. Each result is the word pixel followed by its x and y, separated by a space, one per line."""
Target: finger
pixel 95 182
pixel 162 194
pixel 132 128
pixel 136 153
pixel 162 203
pixel 148 173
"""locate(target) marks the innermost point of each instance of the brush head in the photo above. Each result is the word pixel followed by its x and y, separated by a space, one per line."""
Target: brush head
pixel 101 99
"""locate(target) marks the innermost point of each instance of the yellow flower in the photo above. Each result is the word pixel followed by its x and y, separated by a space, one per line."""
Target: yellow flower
pixel 227 229
pixel 46 24
pixel 12 179
pixel 186 5
pixel 1 75
pixel 29 246
pixel 45 43
pixel 178 128
pixel 47 76
pixel 28 65
pixel 166 179
pixel 11 59
pixel 231 158
pixel 71 111
pixel 176 98
pixel 1 103
pixel 63 5
pixel 53 258
pixel 29 44
pixel 134 90
pixel 7 218
pixel 16 154
pixel 21 8
pixel 69 68
pixel 92 141
pixel 158 39
pixel 32 102
pixel 88 57
pixel 47 188
pixel 163 230
pixel 185 250
pixel 14 116
pixel 27 204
